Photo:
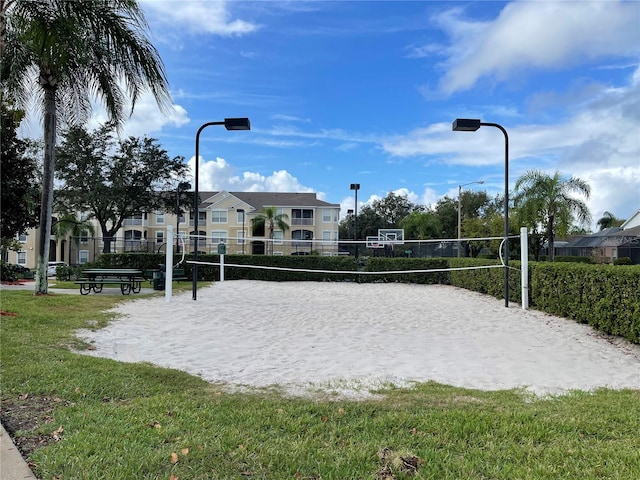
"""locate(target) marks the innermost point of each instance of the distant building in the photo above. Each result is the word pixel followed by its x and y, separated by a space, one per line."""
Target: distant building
pixel 223 217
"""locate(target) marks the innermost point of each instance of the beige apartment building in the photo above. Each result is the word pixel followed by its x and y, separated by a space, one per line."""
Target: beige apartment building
pixel 224 218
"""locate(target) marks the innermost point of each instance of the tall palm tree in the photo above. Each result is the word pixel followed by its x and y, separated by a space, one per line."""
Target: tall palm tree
pixel 269 219
pixel 71 52
pixel 609 220
pixel 551 201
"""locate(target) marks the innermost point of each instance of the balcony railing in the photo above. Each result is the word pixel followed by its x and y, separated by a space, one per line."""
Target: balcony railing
pixel 302 221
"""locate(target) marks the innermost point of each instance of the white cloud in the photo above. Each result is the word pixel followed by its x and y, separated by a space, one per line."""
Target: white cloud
pixel 218 174
pixel 548 35
pixel 197 17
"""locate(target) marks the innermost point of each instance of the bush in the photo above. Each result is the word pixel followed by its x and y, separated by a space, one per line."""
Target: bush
pixel 66 272
pixel 8 272
pixel 623 261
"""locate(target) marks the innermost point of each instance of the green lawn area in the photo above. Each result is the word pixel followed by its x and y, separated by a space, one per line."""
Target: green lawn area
pixel 80 417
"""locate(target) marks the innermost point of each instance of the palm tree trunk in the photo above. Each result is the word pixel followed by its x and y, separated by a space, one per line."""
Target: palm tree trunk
pixel 550 241
pixel 46 207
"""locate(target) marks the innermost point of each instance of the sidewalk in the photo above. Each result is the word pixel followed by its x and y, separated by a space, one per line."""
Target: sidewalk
pixel 12 465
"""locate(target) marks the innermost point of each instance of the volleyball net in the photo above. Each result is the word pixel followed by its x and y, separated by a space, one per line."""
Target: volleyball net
pixel 429 262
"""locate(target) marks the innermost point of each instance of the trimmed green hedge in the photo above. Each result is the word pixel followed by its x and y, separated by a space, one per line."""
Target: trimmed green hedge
pixel 606 297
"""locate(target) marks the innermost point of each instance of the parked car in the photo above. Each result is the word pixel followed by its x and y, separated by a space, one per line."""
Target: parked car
pixel 51 268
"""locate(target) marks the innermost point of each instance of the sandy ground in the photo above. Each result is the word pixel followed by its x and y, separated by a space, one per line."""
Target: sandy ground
pixel 347 338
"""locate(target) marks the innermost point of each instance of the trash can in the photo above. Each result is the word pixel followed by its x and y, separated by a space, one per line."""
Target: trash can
pixel 159 279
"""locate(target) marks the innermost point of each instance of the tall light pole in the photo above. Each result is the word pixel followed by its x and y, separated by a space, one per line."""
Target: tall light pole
pixel 350 215
pixel 241 210
pixel 460 210
pixel 229 124
pixel 471 125
pixel 355 187
pixel 182 186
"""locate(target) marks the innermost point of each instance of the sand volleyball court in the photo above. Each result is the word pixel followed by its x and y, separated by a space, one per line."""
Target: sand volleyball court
pixel 348 338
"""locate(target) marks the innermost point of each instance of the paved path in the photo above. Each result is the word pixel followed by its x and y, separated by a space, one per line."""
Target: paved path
pixel 12 465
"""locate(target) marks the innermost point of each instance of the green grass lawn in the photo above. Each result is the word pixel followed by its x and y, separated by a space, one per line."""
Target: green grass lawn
pixel 80 417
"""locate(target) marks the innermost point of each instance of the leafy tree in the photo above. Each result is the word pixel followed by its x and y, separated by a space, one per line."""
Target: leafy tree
pixel 446 210
pixel 71 52
pixel 420 225
pixel 550 202
pixel 609 220
pixel 369 222
pixel 392 209
pixel 111 182
pixel 269 218
pixel 19 186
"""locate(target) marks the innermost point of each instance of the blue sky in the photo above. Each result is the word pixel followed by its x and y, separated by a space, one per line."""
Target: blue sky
pixel 345 92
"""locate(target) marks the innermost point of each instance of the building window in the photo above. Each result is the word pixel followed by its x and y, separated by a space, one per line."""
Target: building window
pixel 326 236
pixel 22 238
pixel 202 218
pixel 219 216
pixel 83 256
pixel 160 236
pixel 240 237
pixel 160 218
pixel 84 236
pixel 327 215
pixel 301 216
pixel 278 235
pixel 21 258
pixel 302 238
pixel 134 219
pixel 218 236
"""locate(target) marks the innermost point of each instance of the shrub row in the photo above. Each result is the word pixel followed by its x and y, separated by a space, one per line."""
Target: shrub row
pixel 606 297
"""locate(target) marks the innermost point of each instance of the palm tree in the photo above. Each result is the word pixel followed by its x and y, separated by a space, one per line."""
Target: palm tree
pixel 609 220
pixel 71 52
pixel 550 201
pixel 270 217
pixel 69 224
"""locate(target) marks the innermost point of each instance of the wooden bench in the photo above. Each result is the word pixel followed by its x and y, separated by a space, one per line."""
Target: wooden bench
pixel 129 280
pixel 177 274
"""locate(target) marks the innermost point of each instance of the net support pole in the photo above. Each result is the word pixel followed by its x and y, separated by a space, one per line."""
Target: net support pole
pixel 524 267
pixel 222 267
pixel 168 270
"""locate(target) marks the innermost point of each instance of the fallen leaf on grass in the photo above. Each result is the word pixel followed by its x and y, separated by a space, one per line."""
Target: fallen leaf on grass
pixel 174 458
pixel 56 434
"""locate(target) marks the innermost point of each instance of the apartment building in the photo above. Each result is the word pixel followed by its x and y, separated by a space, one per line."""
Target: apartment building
pixel 224 217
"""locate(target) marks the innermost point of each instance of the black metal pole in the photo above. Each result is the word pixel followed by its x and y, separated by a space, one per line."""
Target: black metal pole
pixel 196 201
pixel 506 208
pixel 355 223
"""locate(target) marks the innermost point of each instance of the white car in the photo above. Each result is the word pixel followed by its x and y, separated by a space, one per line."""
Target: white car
pixel 51 268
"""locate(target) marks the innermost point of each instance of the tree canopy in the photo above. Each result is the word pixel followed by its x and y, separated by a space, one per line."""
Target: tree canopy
pixel 111 181
pixel 67 53
pixel 19 181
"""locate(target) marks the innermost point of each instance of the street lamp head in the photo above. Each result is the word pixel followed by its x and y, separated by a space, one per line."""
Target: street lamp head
pixel 237 124
pixel 241 210
pixel 466 125
pixel 350 211
pixel 184 186
pixel 355 186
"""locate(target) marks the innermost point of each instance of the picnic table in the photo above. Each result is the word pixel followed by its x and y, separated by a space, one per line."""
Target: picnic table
pixel 128 279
